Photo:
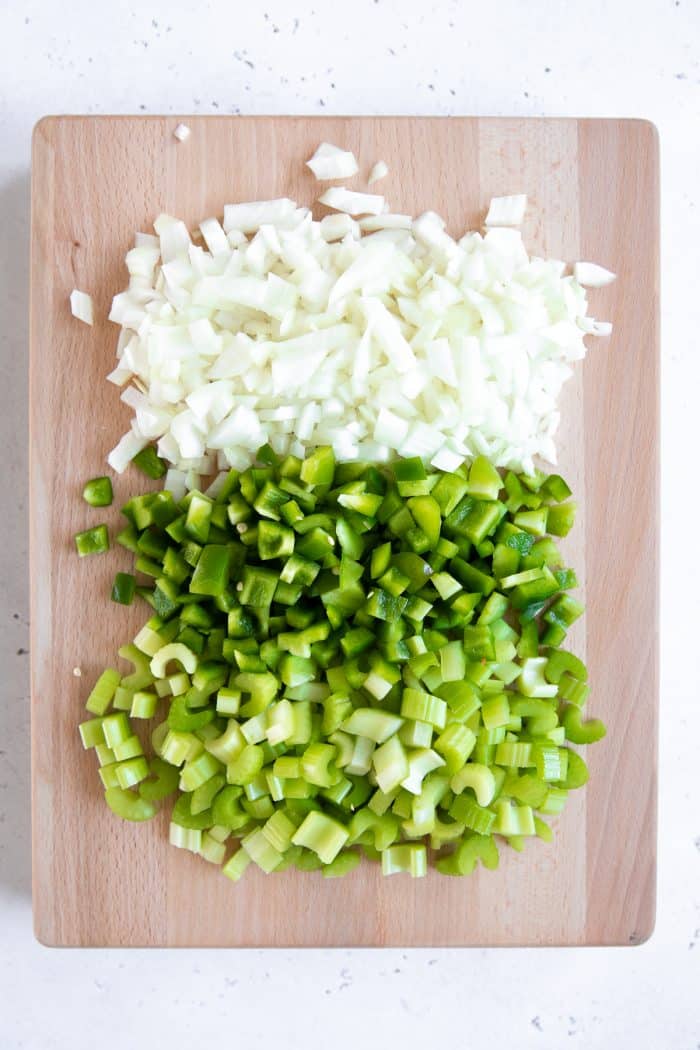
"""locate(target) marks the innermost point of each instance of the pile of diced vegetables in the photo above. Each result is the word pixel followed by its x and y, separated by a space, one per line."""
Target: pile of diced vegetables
pixel 348 660
pixel 356 646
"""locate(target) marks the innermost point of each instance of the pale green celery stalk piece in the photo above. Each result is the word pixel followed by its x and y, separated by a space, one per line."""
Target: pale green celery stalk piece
pixel 179 683
pixel 228 702
pixel 141 676
pixel 235 866
pixel 179 747
pixel 254 729
pixel 210 849
pixel 220 833
pixel 108 776
pixel 278 830
pixel 173 651
pixel 344 745
pixel 416 734
pixel 390 764
pixel 132 772
pixel 105 755
pixel 420 763
pixel 477 777
pixel 377 686
pixel 128 805
pixel 532 681
pixel 123 699
pixel 410 857
pixel 512 819
pixel 344 863
pixel 361 761
pixel 103 692
pixel 229 745
pixel 424 707
pixel 148 641
pixel 91 733
pixel 197 771
pixel 186 838
pixel 373 724
pixel 321 834
pixel 129 748
pixel 116 729
pixel 381 801
pixel 143 705
pixel 261 851
pixel 280 722
pixel 318 765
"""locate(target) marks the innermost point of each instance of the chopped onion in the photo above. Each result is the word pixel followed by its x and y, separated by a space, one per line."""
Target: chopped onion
pixel 379 171
pixel 380 337
pixel 182 132
pixel 590 275
pixel 386 221
pixel 506 211
pixel 124 451
pixel 331 162
pixel 249 217
pixel 81 306
pixel 335 227
pixel 352 203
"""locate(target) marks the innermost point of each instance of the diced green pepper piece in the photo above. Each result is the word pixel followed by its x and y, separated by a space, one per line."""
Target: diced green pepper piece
pixel 318 468
pixel 211 572
pixel 92 541
pixel 560 519
pixel 98 492
pixel 149 462
pixel 484 480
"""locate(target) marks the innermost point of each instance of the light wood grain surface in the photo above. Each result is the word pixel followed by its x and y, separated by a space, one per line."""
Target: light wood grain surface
pixel 593 194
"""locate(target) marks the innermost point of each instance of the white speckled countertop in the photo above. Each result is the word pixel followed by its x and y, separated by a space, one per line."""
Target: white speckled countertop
pixel 613 58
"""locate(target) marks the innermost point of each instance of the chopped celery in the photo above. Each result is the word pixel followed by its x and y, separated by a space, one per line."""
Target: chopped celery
pixel 129 806
pixel 348 654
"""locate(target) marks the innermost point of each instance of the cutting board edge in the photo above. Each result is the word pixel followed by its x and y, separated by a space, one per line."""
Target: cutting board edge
pixel 45 932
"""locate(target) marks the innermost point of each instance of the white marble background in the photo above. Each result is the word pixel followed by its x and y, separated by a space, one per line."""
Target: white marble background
pixel 603 58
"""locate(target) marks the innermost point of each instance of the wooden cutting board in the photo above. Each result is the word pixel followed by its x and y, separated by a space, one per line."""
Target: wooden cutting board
pixel 593 189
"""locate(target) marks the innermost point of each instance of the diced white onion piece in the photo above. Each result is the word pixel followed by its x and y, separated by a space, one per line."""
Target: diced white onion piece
pixel 175 483
pixel 182 132
pixel 146 240
pixel 388 335
pixel 590 275
pixel 386 221
pixel 390 429
pixel 119 376
pixel 81 306
pixel 341 199
pixel 429 229
pixel 331 162
pixel 124 451
pixel 250 216
pixel 335 227
pixel 506 211
pixel 214 237
pixel 379 171
pixel 174 237
pixel 446 459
